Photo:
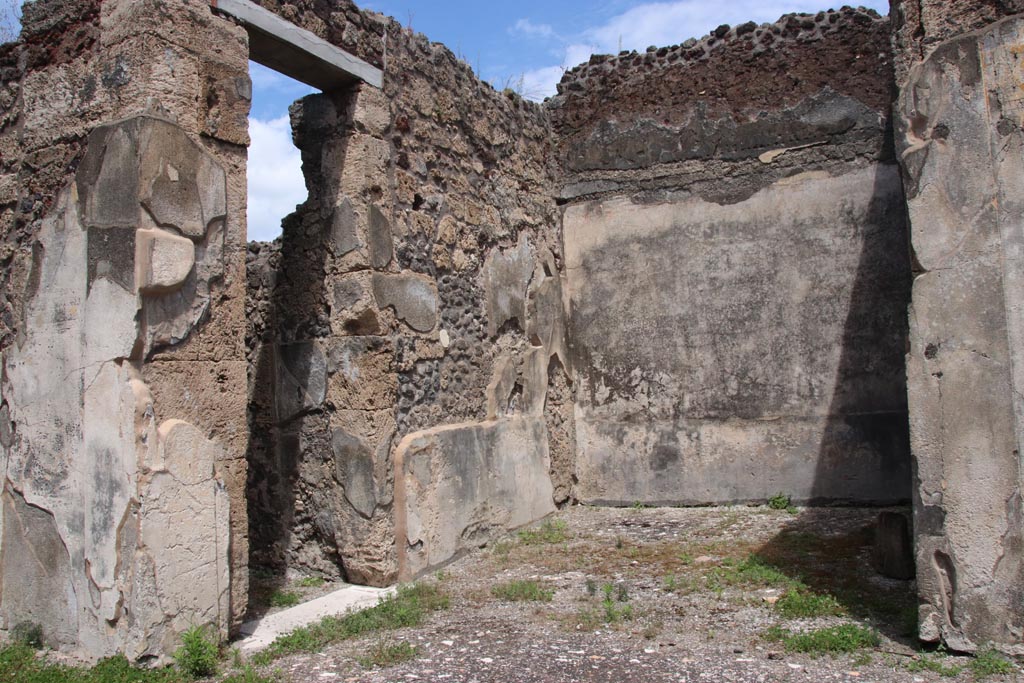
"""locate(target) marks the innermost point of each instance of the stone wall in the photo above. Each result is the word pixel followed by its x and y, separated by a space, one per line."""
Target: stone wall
pixel 418 287
pixel 959 121
pixel 683 280
pixel 736 264
pixel 121 422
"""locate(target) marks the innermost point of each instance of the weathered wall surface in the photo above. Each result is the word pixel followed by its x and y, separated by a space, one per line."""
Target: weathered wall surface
pixel 498 471
pixel 422 270
pixel 736 265
pixel 959 120
pixel 122 432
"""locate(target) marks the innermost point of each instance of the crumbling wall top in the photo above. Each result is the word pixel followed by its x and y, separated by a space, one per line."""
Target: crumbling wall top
pixel 733 71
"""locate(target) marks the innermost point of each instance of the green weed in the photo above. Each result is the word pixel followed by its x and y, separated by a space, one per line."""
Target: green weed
pixel 753 570
pixel 551 531
pixel 781 501
pixel 522 591
pixel 937 663
pixel 386 652
pixel 831 640
pixel 990 663
pixel 27 633
pixel 283 598
pixel 19 664
pixel 800 602
pixel 249 675
pixel 310 582
pixel 197 656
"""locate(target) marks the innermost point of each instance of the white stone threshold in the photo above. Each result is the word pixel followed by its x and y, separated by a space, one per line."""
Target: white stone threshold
pixel 259 633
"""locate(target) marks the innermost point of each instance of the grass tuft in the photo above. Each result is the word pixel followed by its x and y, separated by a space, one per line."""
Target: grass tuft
pixel 522 591
pixel 249 675
pixel 936 663
pixel 551 531
pixel 800 602
pixel 386 652
pixel 408 607
pixel 19 664
pixel 753 570
pixel 283 598
pixel 990 663
pixel 831 640
pixel 310 582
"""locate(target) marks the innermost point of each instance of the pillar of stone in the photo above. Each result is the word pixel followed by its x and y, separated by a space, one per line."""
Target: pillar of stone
pixel 122 401
pixel 959 121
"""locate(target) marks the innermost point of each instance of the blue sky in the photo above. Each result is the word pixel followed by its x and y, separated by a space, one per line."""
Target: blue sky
pixel 524 45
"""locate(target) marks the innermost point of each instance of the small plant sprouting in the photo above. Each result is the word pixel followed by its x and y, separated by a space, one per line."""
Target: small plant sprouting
pixel 780 501
pixel 310 582
pixel 591 587
pixel 197 656
pixel 620 543
pixel 283 598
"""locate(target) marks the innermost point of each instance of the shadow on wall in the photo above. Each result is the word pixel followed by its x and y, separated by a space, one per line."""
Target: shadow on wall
pixel 867 416
pixel 868 421
pixel 288 377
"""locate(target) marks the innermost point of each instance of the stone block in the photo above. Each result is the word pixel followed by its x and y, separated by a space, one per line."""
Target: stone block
pixel 413 297
pixel 506 276
pixel 163 260
pixel 301 379
pixel 459 486
pixel 361 373
pixel 380 240
pixel 344 232
pixel 894 549
pixel 353 461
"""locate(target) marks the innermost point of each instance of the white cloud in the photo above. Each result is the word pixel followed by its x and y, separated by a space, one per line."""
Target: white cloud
pixel 274 177
pixel 539 83
pixel 527 27
pixel 661 24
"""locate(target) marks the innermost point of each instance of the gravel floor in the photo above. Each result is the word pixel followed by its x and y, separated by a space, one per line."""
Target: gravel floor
pixel 679 607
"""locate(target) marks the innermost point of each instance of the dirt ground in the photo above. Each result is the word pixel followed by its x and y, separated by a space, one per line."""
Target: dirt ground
pixel 681 595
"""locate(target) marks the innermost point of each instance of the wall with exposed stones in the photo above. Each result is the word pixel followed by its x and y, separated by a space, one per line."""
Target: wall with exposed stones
pixel 683 280
pixel 122 424
pixel 418 286
pixel 959 119
pixel 736 264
